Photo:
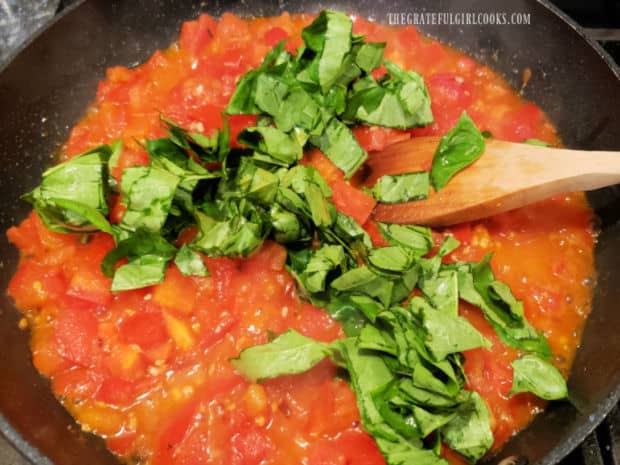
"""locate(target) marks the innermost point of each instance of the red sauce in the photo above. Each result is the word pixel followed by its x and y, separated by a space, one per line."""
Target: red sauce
pixel 148 369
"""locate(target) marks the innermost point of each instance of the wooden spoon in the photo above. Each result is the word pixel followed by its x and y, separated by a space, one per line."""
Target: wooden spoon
pixel 508 175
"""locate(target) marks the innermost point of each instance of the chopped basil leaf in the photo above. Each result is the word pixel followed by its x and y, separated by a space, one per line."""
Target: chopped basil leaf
pixel 449 334
pixel 287 354
pixel 362 280
pixel 190 263
pixel 370 55
pixel 140 272
pixel 147 193
pixel 148 255
pixel 322 262
pixel 401 187
pixel 539 376
pixel 458 148
pixel 469 432
pixel 391 259
pixel 72 196
pixel 449 245
pixel 329 36
pixel 231 228
pixel 399 100
pixel 206 148
pixel 341 147
pixel 441 290
pixel 477 285
pixel 417 238
pixel 272 145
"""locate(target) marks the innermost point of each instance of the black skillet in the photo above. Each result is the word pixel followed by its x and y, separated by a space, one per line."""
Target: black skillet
pixel 46 88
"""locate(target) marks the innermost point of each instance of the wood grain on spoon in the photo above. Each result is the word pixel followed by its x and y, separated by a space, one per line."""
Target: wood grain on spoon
pixel 508 175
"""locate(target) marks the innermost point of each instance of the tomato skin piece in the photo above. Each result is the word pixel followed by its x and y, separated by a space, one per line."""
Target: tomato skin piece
pixel 173 433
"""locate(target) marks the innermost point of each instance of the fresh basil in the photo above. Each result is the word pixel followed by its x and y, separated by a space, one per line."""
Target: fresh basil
pixel 147 193
pixel 458 148
pixel 469 432
pixel 401 188
pixel 533 374
pixel 72 196
pixel 287 354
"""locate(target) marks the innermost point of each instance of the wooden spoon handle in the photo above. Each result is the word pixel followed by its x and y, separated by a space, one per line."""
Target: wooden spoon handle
pixel 508 175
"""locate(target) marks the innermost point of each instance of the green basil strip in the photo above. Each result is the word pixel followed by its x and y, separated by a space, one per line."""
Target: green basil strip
pixel 288 354
pixel 448 334
pixel 140 272
pixel 469 432
pixel 329 36
pixel 417 238
pixel 539 376
pixel 72 196
pixel 273 146
pixel 341 147
pixel 458 148
pixel 370 56
pixel 401 188
pixel 147 192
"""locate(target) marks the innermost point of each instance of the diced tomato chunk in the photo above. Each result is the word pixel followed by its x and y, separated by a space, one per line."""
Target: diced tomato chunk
pixel 144 329
pixel 176 292
pixel 77 383
pixel 275 35
pixel 352 447
pixel 353 202
pixel 237 124
pixel 373 138
pixel 195 35
pixel 250 446
pixel 34 284
pixel 90 286
pixel 323 165
pixel 76 331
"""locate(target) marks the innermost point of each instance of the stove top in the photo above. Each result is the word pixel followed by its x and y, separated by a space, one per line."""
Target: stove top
pixel 600 20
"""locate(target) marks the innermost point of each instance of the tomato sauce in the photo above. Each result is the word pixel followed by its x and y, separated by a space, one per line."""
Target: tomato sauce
pixel 148 370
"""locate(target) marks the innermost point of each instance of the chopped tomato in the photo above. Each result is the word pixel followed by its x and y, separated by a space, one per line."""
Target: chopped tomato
pixel 351 201
pixel 375 235
pixel 196 35
pixel 76 331
pixel 352 447
pixel 373 138
pixel 275 35
pixel 144 329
